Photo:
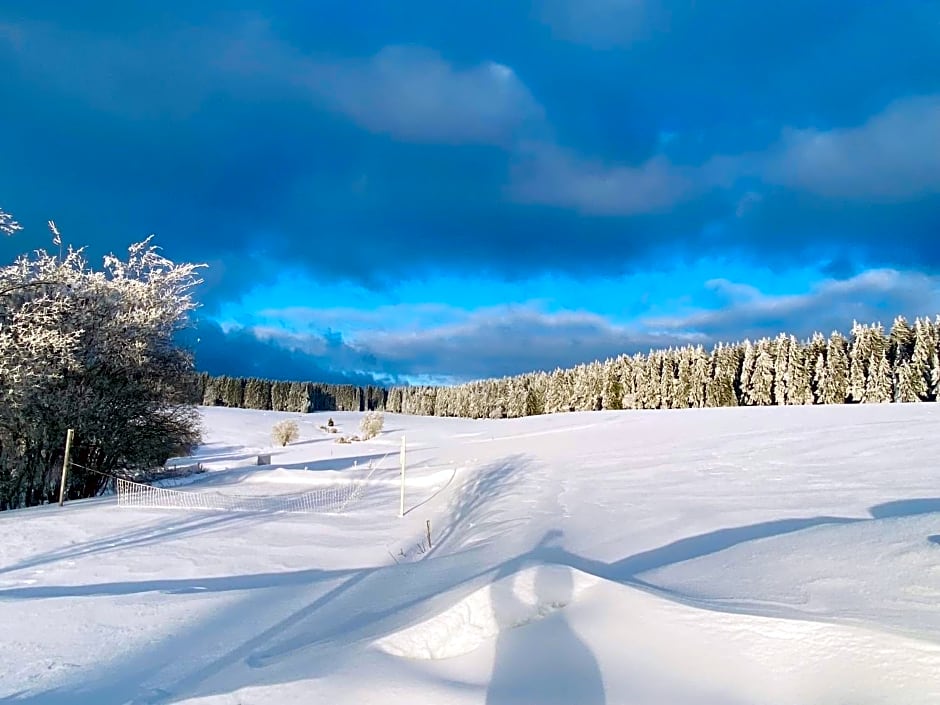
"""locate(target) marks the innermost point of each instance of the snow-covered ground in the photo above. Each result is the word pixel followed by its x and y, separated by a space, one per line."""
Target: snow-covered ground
pixel 721 556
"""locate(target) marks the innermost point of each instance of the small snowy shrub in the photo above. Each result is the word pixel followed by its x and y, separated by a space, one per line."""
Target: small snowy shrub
pixel 285 432
pixel 371 424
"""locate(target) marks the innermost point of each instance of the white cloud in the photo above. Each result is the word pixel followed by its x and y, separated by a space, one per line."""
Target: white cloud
pixel 409 92
pixel 893 156
pixel 832 304
pixel 456 344
pixel 414 94
pixel 495 341
pixel 548 175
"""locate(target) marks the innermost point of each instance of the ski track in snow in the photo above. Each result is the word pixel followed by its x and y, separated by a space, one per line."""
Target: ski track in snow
pixel 779 555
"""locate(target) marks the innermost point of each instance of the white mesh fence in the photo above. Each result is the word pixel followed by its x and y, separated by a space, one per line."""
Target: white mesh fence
pixel 332 499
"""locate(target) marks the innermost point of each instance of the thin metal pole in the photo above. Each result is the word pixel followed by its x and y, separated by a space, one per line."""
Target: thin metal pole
pixel 401 510
pixel 65 465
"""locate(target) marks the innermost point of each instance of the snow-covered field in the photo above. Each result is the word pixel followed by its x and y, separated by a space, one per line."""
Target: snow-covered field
pixel 721 556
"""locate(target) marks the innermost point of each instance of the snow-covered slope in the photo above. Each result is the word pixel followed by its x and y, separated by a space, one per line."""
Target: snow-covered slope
pixel 776 555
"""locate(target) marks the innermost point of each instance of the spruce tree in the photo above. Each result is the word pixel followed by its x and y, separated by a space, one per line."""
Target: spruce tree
pixel 763 379
pixel 836 389
pixel 800 389
pixel 298 397
pixel 860 354
pixel 901 342
pixel 815 361
pixel 720 388
pixel 879 387
pixel 781 354
pixel 700 373
pixel 280 393
pixel 748 363
pixel 257 394
pixel 667 380
pixel 232 389
pixel 613 391
pixel 925 347
pixel 683 388
pixel 212 392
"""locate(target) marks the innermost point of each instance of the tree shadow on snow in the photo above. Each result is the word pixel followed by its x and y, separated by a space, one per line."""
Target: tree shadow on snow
pixel 153 533
pixel 905 508
pixel 344 608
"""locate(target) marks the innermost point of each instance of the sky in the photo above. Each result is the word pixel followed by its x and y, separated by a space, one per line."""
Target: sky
pixel 429 192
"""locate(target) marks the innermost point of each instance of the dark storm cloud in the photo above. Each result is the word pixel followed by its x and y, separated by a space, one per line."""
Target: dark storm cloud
pixel 241 353
pixel 264 130
pixel 376 141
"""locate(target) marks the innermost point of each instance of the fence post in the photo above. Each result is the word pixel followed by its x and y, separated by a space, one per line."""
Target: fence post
pixel 65 465
pixel 401 510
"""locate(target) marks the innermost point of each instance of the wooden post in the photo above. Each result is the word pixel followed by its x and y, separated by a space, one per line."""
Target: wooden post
pixel 429 534
pixel 65 465
pixel 401 510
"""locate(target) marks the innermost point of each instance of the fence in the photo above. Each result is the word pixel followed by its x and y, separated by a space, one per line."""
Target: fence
pixel 334 499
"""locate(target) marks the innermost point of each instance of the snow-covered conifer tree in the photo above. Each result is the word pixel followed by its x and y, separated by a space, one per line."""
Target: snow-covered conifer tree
pixel 720 389
pixel 748 362
pixel 516 396
pixel 879 383
pixel 258 394
pixel 559 393
pixel 800 389
pixel 613 384
pixel 781 354
pixel 700 375
pixel 280 394
pixel 908 378
pixel 667 380
pixel 900 342
pixel 925 348
pixel 815 361
pixel 860 353
pixel 836 388
pixel 763 378
pixel 298 397
pixel 682 393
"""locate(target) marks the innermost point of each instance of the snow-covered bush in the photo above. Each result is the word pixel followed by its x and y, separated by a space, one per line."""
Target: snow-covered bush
pixel 95 351
pixel 371 424
pixel 285 432
pixel 8 226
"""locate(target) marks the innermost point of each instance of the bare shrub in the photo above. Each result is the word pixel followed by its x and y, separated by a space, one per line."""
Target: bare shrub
pixel 371 424
pixel 285 432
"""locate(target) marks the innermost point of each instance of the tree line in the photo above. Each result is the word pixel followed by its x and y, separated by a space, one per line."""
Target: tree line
pixel 869 366
pixel 275 395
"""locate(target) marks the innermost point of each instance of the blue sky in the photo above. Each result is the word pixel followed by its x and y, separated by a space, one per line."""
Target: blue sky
pixel 440 191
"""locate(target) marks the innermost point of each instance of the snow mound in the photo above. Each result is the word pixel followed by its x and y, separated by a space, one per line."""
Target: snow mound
pixel 512 601
pixel 880 572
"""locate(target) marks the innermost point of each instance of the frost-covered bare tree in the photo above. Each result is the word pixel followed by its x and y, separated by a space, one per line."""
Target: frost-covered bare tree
pixel 95 351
